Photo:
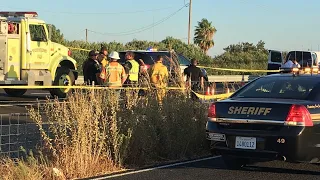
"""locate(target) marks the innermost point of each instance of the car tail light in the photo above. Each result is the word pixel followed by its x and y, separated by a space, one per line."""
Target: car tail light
pixel 69 52
pixel 212 111
pixel 298 116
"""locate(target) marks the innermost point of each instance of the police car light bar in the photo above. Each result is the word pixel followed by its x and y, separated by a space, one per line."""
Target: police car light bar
pixel 306 70
pixel 295 69
pixel 315 69
pixel 18 14
pixel 152 49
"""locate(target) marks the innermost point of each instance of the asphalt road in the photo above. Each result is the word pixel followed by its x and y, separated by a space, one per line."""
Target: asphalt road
pixel 13 109
pixel 215 169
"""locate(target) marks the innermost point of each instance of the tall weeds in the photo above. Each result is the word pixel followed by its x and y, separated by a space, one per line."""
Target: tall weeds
pixel 100 131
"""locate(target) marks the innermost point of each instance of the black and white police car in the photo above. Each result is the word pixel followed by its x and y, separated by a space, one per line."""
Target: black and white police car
pixel 275 117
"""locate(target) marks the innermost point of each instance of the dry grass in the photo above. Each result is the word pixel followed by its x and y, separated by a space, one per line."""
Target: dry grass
pixel 96 132
pixel 30 168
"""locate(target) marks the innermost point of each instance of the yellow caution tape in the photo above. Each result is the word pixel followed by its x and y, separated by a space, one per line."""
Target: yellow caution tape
pixel 80 49
pixel 201 96
pixel 238 70
pixel 210 97
pixel 64 87
pixel 82 87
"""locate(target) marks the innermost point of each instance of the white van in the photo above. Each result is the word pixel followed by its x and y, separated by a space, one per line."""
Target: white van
pixel 304 58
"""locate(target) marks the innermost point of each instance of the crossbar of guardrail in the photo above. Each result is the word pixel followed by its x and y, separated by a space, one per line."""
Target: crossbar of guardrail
pixel 213 78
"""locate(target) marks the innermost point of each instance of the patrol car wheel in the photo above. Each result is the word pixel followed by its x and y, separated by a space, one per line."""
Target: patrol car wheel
pixel 15 92
pixel 234 163
pixel 64 77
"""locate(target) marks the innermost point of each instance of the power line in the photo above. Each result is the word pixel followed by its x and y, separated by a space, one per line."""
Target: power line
pixel 142 28
pixel 106 13
pixel 97 13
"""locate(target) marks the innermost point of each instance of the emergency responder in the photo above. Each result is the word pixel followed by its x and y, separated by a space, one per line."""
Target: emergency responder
pixel 132 70
pixel 91 68
pixel 115 73
pixel 291 63
pixel 103 56
pixel 195 77
pixel 103 61
pixel 159 78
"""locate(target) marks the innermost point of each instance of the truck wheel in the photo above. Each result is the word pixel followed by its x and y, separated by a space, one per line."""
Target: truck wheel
pixel 15 92
pixel 64 77
pixel 234 163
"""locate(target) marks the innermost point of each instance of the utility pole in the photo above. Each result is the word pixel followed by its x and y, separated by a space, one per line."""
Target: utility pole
pixel 189 28
pixel 86 35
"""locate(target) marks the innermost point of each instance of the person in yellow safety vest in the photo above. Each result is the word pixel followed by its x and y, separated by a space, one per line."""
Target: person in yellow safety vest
pixel 159 77
pixel 132 69
pixel 103 54
pixel 103 61
pixel 115 73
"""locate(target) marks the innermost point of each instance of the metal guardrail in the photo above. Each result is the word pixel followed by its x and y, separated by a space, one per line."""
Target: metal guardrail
pixel 16 131
pixel 215 78
pixel 231 78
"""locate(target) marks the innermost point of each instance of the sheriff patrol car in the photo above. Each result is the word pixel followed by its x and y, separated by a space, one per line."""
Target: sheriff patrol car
pixel 275 117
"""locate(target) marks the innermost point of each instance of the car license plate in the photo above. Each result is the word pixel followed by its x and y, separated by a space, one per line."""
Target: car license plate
pixel 246 142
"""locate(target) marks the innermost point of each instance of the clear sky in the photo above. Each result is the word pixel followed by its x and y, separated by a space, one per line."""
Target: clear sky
pixel 281 24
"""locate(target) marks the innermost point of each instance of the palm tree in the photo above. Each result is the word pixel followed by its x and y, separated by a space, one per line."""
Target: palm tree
pixel 204 34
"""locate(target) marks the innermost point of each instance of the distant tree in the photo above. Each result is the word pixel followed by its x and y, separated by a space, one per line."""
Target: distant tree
pixel 56 35
pixel 204 34
pixel 246 47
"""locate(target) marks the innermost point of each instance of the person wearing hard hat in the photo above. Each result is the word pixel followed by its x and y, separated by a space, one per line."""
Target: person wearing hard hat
pixel 159 78
pixel 115 73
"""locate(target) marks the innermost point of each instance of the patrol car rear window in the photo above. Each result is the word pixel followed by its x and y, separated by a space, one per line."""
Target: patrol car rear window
pixel 279 87
pixel 183 60
pixel 152 57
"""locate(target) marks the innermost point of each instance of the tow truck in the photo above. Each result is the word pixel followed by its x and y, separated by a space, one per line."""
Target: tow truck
pixel 29 58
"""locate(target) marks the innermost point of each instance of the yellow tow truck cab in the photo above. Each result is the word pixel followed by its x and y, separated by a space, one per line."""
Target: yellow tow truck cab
pixel 29 58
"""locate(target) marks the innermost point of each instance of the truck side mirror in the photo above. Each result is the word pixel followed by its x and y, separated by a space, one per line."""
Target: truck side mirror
pixel 49 31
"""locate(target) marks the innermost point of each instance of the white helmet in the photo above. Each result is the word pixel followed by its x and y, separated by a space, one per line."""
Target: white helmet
pixel 114 55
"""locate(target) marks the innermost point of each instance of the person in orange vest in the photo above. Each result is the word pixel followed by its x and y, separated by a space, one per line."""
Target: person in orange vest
pixel 159 78
pixel 115 73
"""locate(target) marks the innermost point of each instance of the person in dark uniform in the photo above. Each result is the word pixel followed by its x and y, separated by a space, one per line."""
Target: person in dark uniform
pixel 91 68
pixel 195 77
